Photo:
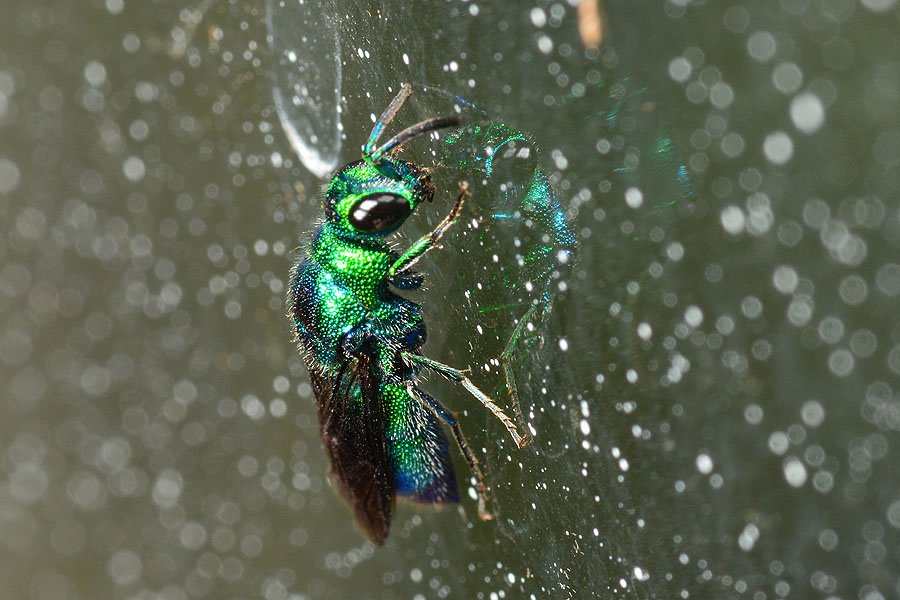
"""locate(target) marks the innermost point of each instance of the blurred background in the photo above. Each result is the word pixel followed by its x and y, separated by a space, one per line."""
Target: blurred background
pixel 713 389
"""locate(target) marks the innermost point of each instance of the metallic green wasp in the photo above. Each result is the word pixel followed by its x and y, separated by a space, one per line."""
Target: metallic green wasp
pixel 362 341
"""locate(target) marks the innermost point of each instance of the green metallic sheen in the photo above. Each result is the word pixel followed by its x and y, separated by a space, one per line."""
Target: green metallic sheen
pixel 362 341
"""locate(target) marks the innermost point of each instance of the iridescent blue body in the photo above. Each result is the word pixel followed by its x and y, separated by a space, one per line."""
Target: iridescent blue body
pixel 361 340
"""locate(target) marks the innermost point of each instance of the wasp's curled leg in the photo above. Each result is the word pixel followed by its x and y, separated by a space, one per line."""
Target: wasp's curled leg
pixel 429 240
pixel 407 280
pixel 353 340
pixel 457 376
pixel 448 417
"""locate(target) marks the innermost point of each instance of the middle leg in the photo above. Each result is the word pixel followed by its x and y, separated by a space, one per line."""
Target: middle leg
pixel 457 376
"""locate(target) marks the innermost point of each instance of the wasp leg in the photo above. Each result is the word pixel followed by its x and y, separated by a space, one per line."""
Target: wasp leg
pixel 506 362
pixel 449 418
pixel 429 240
pixel 457 376
pixel 407 280
pixel 352 341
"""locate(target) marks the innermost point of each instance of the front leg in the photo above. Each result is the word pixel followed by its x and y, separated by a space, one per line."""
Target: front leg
pixel 429 240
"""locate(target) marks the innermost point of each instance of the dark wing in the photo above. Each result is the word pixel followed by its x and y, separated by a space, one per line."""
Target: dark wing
pixel 352 425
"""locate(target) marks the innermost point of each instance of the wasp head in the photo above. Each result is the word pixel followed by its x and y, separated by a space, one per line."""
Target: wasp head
pixel 365 201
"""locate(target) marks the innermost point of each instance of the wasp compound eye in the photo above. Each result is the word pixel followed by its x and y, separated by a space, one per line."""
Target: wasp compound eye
pixel 379 212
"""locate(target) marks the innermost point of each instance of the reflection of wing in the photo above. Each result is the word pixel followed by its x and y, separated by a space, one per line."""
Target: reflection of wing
pixel 352 427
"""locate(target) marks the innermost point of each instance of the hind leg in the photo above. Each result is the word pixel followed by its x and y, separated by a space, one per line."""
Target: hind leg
pixel 450 419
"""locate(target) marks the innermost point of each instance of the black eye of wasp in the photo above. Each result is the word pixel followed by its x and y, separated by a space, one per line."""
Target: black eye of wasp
pixel 378 212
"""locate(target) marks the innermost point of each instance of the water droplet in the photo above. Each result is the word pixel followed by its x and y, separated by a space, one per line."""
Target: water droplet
pixel 807 112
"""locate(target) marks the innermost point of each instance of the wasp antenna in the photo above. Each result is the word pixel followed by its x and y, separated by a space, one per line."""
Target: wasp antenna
pixel 416 130
pixel 387 116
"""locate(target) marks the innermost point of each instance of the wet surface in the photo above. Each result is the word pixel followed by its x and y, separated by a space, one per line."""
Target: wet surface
pixel 713 392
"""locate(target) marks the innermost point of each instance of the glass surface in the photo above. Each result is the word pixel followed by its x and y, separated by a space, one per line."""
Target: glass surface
pixel 712 382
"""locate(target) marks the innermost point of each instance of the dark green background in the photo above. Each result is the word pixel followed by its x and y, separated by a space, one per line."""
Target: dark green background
pixel 157 430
